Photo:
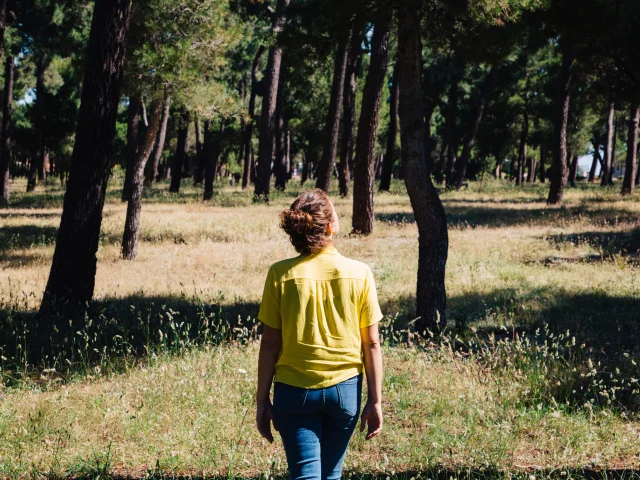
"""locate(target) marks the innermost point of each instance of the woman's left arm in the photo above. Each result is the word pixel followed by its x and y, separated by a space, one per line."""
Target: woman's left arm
pixel 270 346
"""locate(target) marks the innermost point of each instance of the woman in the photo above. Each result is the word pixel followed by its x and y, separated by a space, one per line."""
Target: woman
pixel 320 313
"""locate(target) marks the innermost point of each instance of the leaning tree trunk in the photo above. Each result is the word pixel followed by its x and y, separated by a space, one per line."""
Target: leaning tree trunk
pixel 522 150
pixel 280 167
pixel 182 148
pixel 632 152
pixel 152 167
pixel 433 242
pixel 608 147
pixel 349 115
pixel 268 115
pixel 563 98
pixel 133 143
pixel 131 234
pixel 390 156
pixel 470 140
pixel 364 174
pixel 72 276
pixel 213 147
pixel 7 117
pixel 332 129
pixel 247 173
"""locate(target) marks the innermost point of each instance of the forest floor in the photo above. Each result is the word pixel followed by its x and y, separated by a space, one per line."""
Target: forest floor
pixel 536 375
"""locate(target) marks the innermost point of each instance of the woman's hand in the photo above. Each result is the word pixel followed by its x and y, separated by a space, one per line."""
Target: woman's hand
pixel 372 417
pixel 264 417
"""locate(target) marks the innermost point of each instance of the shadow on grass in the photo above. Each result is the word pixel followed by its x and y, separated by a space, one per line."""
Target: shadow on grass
pixel 26 236
pixel 609 243
pixel 481 216
pixel 434 473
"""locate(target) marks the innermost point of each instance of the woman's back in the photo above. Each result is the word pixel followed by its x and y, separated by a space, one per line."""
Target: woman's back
pixel 320 302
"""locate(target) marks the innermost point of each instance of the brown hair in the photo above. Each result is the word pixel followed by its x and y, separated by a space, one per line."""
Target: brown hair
pixel 307 220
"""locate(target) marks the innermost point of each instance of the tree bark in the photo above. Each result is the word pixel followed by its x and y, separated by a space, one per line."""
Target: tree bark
pixel 594 163
pixel 390 157
pixel 608 147
pixel 451 127
pixel 248 150
pixel 72 276
pixel 133 143
pixel 332 129
pixel 37 167
pixel 363 188
pixel 543 155
pixel 573 169
pixel 349 115
pixel 152 167
pixel 612 165
pixel 470 140
pixel 428 210
pixel 632 152
pixel 182 147
pixel 131 234
pixel 531 177
pixel 280 165
pixel 5 141
pixel 522 150
pixel 213 148
pixel 268 115
pixel 563 98
pixel 198 172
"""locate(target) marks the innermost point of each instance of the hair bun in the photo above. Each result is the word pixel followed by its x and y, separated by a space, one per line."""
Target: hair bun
pixel 296 222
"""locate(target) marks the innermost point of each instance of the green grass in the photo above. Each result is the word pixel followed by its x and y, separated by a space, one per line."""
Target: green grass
pixel 536 375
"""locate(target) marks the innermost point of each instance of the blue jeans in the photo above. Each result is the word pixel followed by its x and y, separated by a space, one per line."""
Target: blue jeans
pixel 316 426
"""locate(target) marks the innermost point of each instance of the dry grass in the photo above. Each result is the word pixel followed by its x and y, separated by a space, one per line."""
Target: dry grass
pixel 514 265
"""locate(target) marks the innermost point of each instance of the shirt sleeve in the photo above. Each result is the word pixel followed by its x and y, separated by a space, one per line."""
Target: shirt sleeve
pixel 370 312
pixel 270 306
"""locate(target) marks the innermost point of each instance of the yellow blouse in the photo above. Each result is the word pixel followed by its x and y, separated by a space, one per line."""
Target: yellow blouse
pixel 320 302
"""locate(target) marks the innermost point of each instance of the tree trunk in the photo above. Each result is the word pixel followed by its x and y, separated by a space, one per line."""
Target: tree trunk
pixel 594 164
pixel 531 177
pixel 198 171
pixel 182 147
pixel 563 98
pixel 522 151
pixel 390 157
pixel 72 276
pixel 451 134
pixel 543 158
pixel 280 166
pixel 463 161
pixel 132 222
pixel 304 174
pixel 3 24
pixel 36 168
pixel 608 147
pixel 573 169
pixel 152 167
pixel 7 117
pixel 632 152
pixel 429 213
pixel 133 143
pixel 349 114
pixel 213 148
pixel 332 129
pixel 368 127
pixel 439 170
pixel 268 115
pixel 612 165
pixel 247 173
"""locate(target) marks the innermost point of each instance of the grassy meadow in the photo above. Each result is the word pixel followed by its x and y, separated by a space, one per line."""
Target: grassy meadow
pixel 536 375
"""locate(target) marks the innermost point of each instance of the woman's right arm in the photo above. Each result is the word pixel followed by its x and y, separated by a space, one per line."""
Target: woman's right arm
pixel 372 412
